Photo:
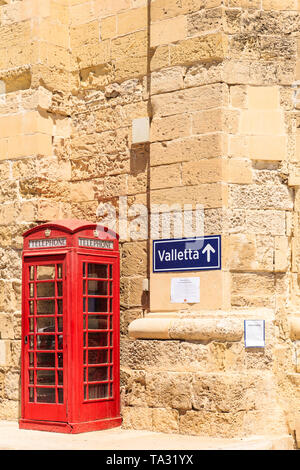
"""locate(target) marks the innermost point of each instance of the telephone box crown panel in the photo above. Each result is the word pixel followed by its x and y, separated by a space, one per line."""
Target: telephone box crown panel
pixel 70 233
pixel 70 327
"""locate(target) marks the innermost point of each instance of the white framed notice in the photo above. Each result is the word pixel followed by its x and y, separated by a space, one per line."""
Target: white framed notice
pixel 185 290
pixel 254 333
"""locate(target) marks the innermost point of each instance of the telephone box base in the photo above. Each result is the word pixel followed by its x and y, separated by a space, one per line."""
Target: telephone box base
pixel 70 428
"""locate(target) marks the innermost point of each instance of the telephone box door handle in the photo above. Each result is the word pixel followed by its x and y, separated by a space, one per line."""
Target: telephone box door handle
pixel 26 339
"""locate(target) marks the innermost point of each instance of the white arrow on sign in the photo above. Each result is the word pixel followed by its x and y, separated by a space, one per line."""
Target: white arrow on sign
pixel 208 249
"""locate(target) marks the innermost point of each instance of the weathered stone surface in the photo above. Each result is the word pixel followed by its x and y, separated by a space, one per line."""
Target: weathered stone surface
pixel 219 82
pixel 207 329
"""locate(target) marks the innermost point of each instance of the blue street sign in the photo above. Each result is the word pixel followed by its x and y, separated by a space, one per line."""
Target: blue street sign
pixel 187 254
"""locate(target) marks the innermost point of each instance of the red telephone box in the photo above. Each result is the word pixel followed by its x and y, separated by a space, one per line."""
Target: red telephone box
pixel 70 328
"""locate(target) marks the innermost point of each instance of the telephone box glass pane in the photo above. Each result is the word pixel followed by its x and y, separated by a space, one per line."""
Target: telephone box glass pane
pixel 60 359
pixel 45 377
pixel 45 307
pixel 45 342
pixel 97 374
pixel 44 324
pixel 98 391
pixel 60 342
pixel 97 288
pixel 96 304
pixel 59 289
pixel 59 307
pixel 45 272
pixel 31 359
pixel 45 289
pixel 98 356
pixel 45 359
pixel 60 324
pixel 31 273
pixel 59 271
pixel 97 339
pixel 31 290
pixel 60 377
pixel 31 394
pixel 45 395
pixel 97 270
pixel 60 395
pixel 97 322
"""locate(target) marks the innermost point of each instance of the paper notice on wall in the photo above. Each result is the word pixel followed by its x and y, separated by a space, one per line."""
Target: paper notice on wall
pixel 254 333
pixel 185 290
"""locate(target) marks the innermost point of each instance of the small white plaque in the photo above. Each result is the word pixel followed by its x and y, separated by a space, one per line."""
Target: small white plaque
pixel 254 333
pixel 140 130
pixel 185 290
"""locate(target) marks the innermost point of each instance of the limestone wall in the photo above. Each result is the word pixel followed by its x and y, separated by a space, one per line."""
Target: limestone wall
pixel 219 81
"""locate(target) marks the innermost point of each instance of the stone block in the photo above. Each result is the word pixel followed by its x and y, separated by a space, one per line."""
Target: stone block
pixel 248 252
pixel 282 254
pixel 90 56
pixel 263 98
pixel 168 31
pixel 203 171
pixel 127 69
pixel 262 122
pixel 294 323
pixel 297 425
pixel 108 27
pixel 5 353
pixel 104 8
pixel 212 47
pixel 209 195
pixel 132 20
pixel 279 4
pixel 166 176
pixel 190 100
pixel 267 147
pixel 253 290
pixel 238 96
pixel 165 420
pixel 160 58
pixel 170 127
pixel 239 171
pixel 132 45
pixel 134 258
pixel 137 417
pixel 260 197
pixel 84 34
pixel 172 390
pixel 206 329
pixel 205 423
pixel 188 149
pixel 265 222
pixel 168 79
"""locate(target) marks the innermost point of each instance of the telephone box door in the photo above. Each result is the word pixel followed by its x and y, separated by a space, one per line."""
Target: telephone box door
pixel 99 338
pixel 43 342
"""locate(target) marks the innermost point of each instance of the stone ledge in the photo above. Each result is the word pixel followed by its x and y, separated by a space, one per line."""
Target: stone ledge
pixel 195 329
